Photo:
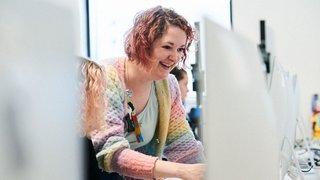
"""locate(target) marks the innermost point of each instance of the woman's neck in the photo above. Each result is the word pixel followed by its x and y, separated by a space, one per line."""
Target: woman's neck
pixel 136 78
pixel 139 82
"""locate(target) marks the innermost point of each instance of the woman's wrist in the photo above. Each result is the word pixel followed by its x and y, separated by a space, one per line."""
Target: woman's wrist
pixel 166 169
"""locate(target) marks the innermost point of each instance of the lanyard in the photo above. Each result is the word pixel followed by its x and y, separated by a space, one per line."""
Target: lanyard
pixel 133 116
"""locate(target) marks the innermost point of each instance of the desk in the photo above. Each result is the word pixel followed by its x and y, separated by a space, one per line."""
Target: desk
pixel 312 175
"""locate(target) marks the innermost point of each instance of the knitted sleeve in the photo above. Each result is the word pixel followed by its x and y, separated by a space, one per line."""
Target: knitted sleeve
pixel 181 145
pixel 113 150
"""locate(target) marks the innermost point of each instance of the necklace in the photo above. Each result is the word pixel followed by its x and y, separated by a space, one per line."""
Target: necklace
pixel 131 118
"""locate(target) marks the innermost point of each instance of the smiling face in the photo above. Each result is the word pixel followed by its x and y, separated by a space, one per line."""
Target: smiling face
pixel 167 52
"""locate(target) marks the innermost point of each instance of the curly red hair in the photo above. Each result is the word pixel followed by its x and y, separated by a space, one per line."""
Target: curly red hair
pixel 149 25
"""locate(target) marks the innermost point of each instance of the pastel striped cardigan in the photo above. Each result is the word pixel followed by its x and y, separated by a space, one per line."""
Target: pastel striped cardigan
pixel 173 137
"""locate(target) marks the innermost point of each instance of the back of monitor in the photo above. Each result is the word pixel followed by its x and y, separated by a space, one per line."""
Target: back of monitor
pixel 239 124
pixel 38 98
pixel 284 94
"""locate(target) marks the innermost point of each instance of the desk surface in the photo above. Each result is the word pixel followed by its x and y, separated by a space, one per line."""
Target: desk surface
pixel 312 175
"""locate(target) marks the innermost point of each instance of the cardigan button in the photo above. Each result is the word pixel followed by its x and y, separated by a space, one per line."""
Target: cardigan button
pixel 158 141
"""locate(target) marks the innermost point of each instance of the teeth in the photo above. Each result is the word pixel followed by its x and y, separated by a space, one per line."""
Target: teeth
pixel 168 65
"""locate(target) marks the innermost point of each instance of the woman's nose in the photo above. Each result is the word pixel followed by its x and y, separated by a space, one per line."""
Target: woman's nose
pixel 175 56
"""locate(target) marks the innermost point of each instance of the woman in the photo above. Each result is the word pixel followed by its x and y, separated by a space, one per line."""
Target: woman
pixel 182 77
pixel 143 116
pixel 192 118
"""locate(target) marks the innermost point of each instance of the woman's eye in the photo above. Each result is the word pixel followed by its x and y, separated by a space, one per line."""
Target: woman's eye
pixel 166 47
pixel 180 49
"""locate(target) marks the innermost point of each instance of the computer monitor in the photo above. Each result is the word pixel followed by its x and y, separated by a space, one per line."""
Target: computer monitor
pixel 292 108
pixel 278 90
pixel 239 130
pixel 283 92
pixel 38 99
pixel 296 94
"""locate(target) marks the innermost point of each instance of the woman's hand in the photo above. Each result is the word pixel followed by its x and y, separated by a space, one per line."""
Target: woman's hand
pixel 192 172
pixel 166 169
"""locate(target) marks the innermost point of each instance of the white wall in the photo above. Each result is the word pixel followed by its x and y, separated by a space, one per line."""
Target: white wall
pixel 292 35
